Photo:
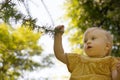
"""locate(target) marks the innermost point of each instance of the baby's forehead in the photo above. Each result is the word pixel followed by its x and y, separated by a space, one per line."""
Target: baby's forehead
pixel 94 31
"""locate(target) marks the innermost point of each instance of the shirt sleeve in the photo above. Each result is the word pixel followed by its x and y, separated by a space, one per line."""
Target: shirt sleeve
pixel 72 61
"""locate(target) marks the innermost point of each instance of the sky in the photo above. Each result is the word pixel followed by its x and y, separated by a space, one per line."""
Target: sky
pixel 56 10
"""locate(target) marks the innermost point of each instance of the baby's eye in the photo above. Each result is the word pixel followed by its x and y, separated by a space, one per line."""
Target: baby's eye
pixel 93 38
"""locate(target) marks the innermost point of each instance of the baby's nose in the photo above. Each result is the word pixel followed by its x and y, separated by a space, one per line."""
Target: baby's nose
pixel 89 42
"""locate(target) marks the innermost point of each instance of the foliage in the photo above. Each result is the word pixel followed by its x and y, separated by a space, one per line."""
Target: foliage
pixel 18 46
pixel 8 11
pixel 88 13
pixel 10 14
pixel 16 50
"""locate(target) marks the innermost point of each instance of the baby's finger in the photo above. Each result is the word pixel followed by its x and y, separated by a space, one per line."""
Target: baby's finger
pixel 118 66
pixel 118 69
pixel 118 63
pixel 59 27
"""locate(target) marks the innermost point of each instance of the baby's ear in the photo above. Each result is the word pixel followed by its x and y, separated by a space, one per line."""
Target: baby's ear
pixel 108 46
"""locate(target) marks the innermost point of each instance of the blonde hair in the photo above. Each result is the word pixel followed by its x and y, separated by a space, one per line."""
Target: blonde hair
pixel 108 35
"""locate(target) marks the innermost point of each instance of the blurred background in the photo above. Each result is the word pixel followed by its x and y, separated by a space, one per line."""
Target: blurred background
pixel 27 31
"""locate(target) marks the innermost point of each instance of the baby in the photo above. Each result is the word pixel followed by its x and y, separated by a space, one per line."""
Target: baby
pixel 97 64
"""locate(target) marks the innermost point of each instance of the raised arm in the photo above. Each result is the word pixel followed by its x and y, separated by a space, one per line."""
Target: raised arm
pixel 58 48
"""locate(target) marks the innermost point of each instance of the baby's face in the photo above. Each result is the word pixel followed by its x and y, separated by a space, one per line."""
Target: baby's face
pixel 95 43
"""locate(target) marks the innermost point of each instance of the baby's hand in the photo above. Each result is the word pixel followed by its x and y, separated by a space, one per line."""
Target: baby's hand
pixel 118 67
pixel 59 29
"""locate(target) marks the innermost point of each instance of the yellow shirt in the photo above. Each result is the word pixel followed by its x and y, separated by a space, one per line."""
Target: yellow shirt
pixel 85 68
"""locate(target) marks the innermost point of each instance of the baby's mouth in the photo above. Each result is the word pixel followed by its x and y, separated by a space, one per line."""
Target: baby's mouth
pixel 89 47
